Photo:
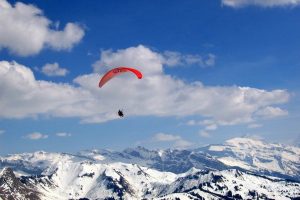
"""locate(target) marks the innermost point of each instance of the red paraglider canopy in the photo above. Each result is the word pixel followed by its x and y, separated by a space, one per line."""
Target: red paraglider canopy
pixel 117 71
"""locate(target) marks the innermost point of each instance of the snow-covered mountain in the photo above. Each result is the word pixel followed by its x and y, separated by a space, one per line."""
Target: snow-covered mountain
pixel 176 161
pixel 11 187
pixel 171 160
pixel 87 180
pixel 233 170
pixel 258 156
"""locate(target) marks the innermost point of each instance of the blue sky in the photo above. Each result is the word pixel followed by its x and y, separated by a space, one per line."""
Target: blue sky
pixel 213 70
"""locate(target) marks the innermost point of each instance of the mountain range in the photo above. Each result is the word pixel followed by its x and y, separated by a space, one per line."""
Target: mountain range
pixel 241 168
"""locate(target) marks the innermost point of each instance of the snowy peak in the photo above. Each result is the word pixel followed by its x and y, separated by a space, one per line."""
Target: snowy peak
pixel 177 161
pixel 139 173
pixel 6 172
pixel 33 163
pixel 259 156
pixel 233 184
pixel 142 153
pixel 79 180
pixel 244 153
pixel 243 141
pixel 75 180
pixel 12 188
pixel 241 153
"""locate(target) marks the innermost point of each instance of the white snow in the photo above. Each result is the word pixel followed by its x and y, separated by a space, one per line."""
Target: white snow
pixel 216 148
pixel 257 155
pixel 95 174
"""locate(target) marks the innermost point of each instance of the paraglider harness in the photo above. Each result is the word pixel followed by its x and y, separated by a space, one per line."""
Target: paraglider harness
pixel 120 113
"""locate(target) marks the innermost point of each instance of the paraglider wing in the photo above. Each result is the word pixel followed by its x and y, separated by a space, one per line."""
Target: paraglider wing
pixel 117 71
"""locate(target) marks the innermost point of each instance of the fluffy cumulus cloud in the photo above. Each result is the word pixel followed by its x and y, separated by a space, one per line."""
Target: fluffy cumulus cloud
pixel 150 62
pixel 178 141
pixel 20 21
pixel 54 70
pixel 140 57
pixel 36 136
pixel 24 96
pixel 263 3
pixel 157 94
pixel 271 112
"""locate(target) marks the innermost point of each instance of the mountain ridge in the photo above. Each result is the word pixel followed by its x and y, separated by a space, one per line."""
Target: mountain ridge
pixel 85 180
pixel 139 173
pixel 239 153
pixel 258 156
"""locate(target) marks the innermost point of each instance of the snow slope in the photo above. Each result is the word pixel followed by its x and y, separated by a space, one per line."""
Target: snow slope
pixel 136 173
pixel 78 180
pixel 258 156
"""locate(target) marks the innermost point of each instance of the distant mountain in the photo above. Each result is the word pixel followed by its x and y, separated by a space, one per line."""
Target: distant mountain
pixel 36 163
pixel 258 156
pixel 176 161
pixel 236 169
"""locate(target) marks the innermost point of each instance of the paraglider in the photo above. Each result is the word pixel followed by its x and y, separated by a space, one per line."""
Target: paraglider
pixel 120 113
pixel 115 72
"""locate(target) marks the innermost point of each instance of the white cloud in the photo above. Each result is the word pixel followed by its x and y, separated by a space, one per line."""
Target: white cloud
pixel 63 134
pixel 54 70
pixel 262 3
pixel 182 144
pixel 211 60
pixel 255 125
pixel 211 127
pixel 204 133
pixel 140 57
pixel 253 136
pixel 157 94
pixel 191 123
pixel 36 136
pixel 2 132
pixel 24 96
pixel 150 62
pixel 166 137
pixel 173 58
pixel 176 140
pixel 26 31
pixel 66 39
pixel 271 112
